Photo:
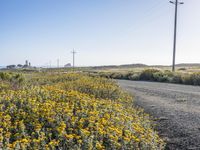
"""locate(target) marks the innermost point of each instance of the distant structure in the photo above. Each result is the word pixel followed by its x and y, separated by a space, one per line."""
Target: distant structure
pixel 68 65
pixel 19 66
pixel 26 65
pixel 11 66
pixel 26 62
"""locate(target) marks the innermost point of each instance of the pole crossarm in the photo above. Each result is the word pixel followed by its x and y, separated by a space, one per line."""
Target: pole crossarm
pixel 174 2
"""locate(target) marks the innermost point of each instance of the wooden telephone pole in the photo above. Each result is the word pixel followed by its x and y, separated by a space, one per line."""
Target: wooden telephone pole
pixel 176 3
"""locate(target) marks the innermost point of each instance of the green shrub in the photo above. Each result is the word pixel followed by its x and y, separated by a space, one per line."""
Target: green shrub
pixel 195 78
pixel 160 77
pixel 105 74
pixel 187 80
pixel 12 77
pixel 116 76
pixel 4 86
pixel 182 69
pixel 5 76
pixel 176 78
pixel 168 73
pixel 147 75
pixel 134 76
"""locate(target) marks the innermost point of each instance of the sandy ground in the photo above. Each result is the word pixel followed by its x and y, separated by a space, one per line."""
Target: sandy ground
pixel 176 107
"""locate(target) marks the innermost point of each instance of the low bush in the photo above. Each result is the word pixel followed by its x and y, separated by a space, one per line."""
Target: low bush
pixel 5 76
pixel 182 69
pixel 160 77
pixel 148 75
pixel 176 78
pixel 12 79
pixel 156 75
pixel 186 79
pixel 134 76
pixel 117 76
pixel 194 79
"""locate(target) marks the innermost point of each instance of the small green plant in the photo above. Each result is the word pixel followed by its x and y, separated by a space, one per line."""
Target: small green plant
pixel 14 79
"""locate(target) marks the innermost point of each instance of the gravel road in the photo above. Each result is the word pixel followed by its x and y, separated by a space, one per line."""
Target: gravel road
pixel 176 107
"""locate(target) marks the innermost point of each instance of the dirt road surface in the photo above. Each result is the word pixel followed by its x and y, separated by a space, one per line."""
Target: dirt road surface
pixel 176 107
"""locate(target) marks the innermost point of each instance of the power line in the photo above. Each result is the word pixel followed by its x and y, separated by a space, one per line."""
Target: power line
pixel 176 3
pixel 149 15
pixel 157 6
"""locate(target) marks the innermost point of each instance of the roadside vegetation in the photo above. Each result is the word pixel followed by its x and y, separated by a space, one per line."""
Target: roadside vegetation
pixel 70 111
pixel 153 75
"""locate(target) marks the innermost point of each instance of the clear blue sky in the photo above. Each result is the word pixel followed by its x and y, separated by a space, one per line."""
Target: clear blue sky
pixel 103 32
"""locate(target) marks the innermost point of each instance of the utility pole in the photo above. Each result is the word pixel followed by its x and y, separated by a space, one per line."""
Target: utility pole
pixel 50 64
pixel 73 52
pixel 58 63
pixel 176 3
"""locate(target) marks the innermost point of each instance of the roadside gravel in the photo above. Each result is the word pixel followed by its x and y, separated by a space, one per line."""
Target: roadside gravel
pixel 176 107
